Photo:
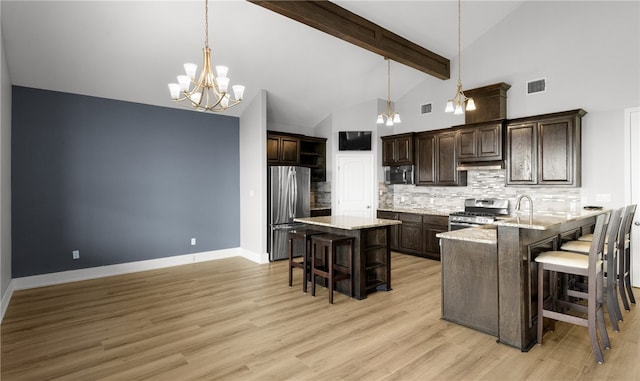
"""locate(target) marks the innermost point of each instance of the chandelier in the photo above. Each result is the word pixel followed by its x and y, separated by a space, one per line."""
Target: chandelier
pixel 456 103
pixel 209 92
pixel 388 115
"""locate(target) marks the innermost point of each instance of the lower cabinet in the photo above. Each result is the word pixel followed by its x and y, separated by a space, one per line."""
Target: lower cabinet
pixel 417 233
pixel 433 225
pixel 411 240
pixel 395 229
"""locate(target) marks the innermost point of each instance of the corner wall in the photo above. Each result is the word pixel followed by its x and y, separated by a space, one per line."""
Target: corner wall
pixel 5 179
pixel 253 180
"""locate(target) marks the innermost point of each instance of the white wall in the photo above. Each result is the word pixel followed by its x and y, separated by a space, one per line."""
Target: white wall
pixel 5 178
pixel 361 117
pixel 589 52
pixel 253 179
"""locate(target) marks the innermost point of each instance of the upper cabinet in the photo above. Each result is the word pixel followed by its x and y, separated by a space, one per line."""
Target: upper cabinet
pixel 282 150
pixel 305 151
pixel 480 142
pixel 313 155
pixel 397 149
pixel 545 149
pixel 436 159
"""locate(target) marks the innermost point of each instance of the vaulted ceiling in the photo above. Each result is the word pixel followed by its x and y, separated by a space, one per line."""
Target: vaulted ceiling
pixel 130 50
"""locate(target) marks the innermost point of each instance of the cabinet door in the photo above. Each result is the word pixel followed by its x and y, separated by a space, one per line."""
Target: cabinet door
pixel 394 229
pixel 289 151
pixel 446 162
pixel 555 152
pixel 467 145
pixel 490 142
pixel 425 159
pixel 404 150
pixel 521 154
pixel 431 242
pixel 388 151
pixel 273 151
pixel 411 237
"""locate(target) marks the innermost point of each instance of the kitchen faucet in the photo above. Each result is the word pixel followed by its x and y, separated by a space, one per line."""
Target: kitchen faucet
pixel 530 206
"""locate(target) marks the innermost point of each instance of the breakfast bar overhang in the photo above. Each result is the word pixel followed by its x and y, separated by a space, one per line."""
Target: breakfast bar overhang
pixel 372 252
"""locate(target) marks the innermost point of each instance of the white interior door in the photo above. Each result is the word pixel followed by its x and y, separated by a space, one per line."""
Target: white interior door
pixel 632 173
pixel 355 188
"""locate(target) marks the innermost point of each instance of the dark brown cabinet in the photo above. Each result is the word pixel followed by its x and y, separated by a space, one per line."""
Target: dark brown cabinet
pixel 433 225
pixel 283 150
pixel 292 149
pixel 397 149
pixel 313 155
pixel 394 229
pixel 545 149
pixel 425 171
pixel 436 159
pixel 417 233
pixel 410 237
pixel 480 142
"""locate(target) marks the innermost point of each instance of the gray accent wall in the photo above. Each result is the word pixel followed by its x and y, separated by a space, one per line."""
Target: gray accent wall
pixel 118 181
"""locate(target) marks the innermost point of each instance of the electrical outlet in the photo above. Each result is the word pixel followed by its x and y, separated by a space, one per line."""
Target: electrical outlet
pixel 193 241
pixel 76 254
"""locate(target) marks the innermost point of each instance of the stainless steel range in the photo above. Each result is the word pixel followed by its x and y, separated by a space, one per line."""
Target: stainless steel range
pixel 478 212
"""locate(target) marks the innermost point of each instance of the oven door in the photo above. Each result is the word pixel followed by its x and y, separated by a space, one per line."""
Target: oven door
pixel 457 225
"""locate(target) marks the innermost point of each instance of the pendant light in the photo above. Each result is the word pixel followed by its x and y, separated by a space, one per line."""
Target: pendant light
pixel 209 92
pixel 457 103
pixel 388 115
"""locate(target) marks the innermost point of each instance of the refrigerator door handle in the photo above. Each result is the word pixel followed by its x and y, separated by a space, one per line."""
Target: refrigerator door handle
pixel 294 194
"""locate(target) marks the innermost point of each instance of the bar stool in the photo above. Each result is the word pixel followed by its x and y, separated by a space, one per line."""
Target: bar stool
pixel 304 237
pixel 324 263
pixel 590 266
pixel 610 255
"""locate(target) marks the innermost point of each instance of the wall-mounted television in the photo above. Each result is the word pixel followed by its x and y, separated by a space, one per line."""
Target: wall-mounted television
pixel 354 140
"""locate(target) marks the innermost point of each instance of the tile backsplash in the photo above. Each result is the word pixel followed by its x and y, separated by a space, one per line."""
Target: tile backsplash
pixel 320 194
pixel 480 184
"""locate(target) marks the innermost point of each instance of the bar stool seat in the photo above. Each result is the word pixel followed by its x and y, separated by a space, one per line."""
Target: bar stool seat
pixel 324 262
pixel 610 256
pixel 303 236
pixel 589 266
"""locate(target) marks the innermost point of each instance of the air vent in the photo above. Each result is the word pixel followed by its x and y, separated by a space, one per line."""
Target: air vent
pixel 425 109
pixel 537 86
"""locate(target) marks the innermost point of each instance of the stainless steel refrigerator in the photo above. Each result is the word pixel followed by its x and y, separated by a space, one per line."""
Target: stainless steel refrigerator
pixel 288 198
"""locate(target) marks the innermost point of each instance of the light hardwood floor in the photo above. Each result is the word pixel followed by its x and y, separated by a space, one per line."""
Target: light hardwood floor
pixel 236 320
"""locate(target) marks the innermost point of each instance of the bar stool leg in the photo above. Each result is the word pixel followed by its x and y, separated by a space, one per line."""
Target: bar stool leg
pixel 290 259
pixel 332 257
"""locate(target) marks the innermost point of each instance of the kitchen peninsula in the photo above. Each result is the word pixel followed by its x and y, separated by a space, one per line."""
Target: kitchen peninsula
pixel 489 276
pixel 371 251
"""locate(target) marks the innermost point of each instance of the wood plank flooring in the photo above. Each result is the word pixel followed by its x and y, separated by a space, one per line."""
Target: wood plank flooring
pixel 232 319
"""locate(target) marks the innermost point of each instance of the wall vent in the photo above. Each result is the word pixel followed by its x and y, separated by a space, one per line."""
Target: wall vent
pixel 537 86
pixel 425 108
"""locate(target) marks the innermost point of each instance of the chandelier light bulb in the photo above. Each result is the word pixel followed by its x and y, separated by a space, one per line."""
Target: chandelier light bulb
pixel 380 119
pixel 471 105
pixel 238 91
pixel 389 122
pixel 396 118
pixel 191 70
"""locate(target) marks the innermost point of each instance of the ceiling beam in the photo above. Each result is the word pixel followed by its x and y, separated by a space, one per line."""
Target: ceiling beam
pixel 339 22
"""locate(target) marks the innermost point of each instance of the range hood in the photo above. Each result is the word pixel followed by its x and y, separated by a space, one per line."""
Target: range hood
pixel 481 165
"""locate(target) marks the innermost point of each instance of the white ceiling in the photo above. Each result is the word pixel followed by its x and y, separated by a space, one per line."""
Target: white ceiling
pixel 130 50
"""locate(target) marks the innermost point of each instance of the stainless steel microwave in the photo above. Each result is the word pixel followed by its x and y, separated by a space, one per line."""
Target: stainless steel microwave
pixel 402 174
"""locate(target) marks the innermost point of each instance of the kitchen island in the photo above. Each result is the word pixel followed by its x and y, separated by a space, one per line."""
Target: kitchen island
pixel 502 272
pixel 371 251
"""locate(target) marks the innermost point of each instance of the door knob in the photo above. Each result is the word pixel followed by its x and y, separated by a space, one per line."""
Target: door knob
pixel 637 223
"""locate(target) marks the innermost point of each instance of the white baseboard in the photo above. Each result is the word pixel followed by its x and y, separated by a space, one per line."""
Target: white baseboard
pixel 122 268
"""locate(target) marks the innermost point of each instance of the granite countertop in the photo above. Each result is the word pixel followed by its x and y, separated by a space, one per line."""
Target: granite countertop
pixel 544 221
pixel 432 211
pixel 480 235
pixel 347 222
